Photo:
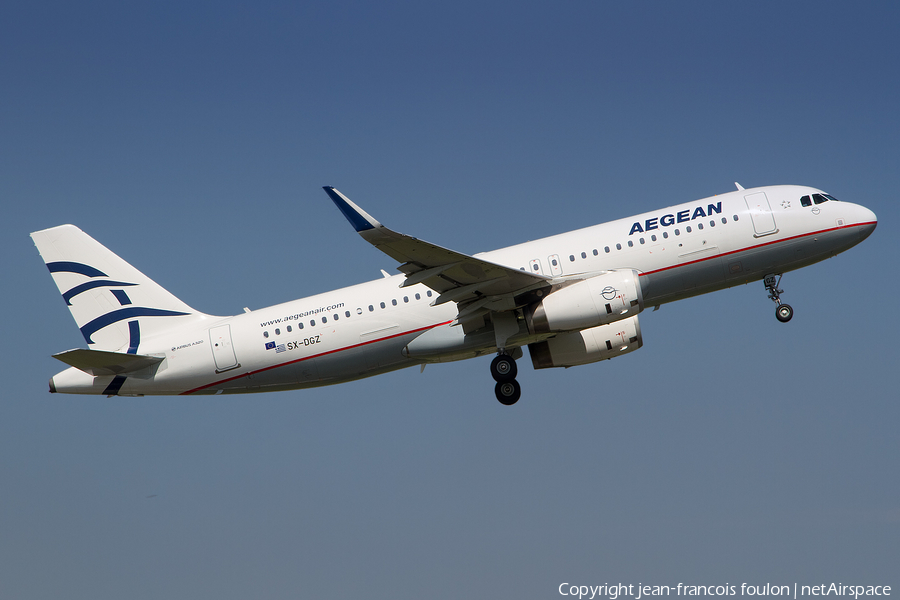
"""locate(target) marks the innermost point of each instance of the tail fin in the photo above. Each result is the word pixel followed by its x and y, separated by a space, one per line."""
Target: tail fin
pixel 112 303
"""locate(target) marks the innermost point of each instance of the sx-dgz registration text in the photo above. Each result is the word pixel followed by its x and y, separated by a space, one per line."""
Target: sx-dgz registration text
pixel 304 342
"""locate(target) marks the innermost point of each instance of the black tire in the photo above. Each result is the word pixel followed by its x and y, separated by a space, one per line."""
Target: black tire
pixel 503 368
pixel 784 313
pixel 508 392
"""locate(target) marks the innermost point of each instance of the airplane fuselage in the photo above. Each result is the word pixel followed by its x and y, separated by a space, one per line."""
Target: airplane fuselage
pixel 375 327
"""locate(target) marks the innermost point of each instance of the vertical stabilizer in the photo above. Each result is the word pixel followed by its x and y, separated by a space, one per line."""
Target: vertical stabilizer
pixel 113 304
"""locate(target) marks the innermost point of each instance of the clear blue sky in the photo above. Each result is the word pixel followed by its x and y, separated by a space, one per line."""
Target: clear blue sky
pixel 193 139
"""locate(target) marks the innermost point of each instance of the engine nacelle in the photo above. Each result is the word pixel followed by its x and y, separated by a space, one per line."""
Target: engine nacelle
pixel 606 298
pixel 589 345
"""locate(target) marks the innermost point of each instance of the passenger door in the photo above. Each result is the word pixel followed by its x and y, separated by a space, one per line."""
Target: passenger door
pixel 760 214
pixel 222 348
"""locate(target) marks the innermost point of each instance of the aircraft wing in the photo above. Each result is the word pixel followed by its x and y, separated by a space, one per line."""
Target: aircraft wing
pixel 455 276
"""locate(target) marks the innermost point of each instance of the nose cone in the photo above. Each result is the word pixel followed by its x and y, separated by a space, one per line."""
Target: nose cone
pixel 867 223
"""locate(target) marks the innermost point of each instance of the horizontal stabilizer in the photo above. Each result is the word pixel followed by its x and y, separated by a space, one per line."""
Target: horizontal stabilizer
pixel 100 363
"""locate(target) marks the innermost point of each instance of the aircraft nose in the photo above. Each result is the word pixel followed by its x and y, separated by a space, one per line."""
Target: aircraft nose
pixel 867 223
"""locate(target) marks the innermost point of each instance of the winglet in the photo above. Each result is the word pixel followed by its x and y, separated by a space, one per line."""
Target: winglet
pixel 360 219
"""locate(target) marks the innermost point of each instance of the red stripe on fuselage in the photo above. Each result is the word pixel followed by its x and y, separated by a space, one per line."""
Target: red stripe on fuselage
pixel 209 385
pixel 290 362
pixel 758 246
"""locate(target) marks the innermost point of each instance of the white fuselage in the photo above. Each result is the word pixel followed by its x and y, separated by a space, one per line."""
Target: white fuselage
pixel 367 329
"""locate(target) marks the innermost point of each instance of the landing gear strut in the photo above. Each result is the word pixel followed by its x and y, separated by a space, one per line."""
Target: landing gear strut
pixel 503 370
pixel 783 312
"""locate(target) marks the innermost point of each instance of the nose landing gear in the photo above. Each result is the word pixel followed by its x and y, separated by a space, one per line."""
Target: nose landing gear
pixel 783 312
pixel 503 370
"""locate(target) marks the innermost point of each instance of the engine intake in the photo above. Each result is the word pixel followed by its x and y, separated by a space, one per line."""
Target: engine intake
pixel 602 299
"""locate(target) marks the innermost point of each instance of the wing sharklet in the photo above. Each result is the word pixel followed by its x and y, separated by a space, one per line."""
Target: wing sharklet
pixel 360 219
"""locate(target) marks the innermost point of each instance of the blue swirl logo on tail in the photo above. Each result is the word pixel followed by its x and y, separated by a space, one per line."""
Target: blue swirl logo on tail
pixel 131 312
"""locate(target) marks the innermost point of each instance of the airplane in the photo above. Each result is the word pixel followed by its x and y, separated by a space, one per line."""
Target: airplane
pixel 572 299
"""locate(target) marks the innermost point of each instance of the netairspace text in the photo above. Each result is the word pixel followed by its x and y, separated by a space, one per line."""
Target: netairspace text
pixel 637 592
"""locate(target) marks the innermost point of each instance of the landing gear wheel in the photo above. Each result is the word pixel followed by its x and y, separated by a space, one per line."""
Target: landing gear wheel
pixel 508 392
pixel 784 312
pixel 503 368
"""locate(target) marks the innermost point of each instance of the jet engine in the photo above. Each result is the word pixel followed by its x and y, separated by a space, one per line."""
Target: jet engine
pixel 589 345
pixel 602 299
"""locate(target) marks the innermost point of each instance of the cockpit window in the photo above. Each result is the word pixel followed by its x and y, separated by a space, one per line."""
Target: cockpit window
pixel 819 198
pixel 805 201
pixel 830 197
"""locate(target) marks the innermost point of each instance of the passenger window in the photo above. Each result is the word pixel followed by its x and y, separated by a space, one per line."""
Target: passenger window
pixel 371 308
pixel 653 238
pixel 554 262
pixel 265 334
pixel 606 249
pixel 735 217
pixel 419 296
pixel 642 240
pixel 584 255
pixel 324 319
pixel 618 246
pixel 665 235
pixel 699 225
pixel 277 332
pixel 428 293
pixel 299 325
pixel 677 232
pixel 688 228
pixel 288 328
pixel 712 223
pixel 595 252
pixel 394 302
pixel 406 298
pixel 312 323
pixel 571 258
pixel 336 316
pixel 630 244
pixel 382 305
pixel 724 220
pixel 347 313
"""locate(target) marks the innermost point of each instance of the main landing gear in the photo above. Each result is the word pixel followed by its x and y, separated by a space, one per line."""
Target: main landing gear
pixel 503 370
pixel 783 312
